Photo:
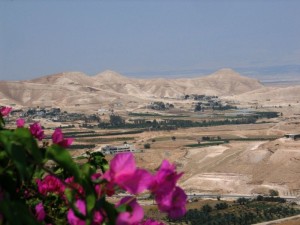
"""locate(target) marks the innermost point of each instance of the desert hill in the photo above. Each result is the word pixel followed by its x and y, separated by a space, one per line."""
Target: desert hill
pixel 271 95
pixel 243 167
pixel 68 78
pixel 70 88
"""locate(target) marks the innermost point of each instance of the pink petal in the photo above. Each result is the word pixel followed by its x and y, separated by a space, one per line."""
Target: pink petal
pixel 134 216
pixel 173 203
pixel 37 131
pixel 123 163
pixel 136 182
pixel 66 142
pixel 98 218
pixel 4 111
pixel 57 136
pixel 72 218
pixel 165 179
pixel 40 212
pixel 20 122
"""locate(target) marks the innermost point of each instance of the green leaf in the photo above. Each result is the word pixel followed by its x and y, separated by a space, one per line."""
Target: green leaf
pixel 16 213
pixel 122 208
pixel 26 139
pixel 2 123
pixel 69 195
pixel 111 212
pixel 4 159
pixel 97 159
pixel 62 157
pixel 87 171
pixel 90 202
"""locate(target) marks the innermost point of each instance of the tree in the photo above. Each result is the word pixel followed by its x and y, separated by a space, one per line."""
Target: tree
pixel 147 146
pixel 206 208
pixel 173 138
pixel 222 205
pixel 273 192
pixel 198 107
pixel 116 120
pixel 242 201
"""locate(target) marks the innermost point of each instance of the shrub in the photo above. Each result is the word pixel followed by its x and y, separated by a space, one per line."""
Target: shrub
pixel 222 205
pixel 206 208
pixel 273 192
pixel 147 146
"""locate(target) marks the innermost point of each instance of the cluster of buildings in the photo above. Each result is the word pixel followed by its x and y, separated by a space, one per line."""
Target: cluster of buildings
pixel 109 149
pixel 54 115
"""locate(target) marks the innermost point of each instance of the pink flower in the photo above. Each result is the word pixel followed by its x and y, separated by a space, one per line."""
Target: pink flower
pixel 123 172
pixel 4 111
pixel 37 131
pixel 76 186
pixel 96 176
pixel 98 188
pixel 173 203
pixel 151 222
pixel 50 184
pixel 20 122
pixel 74 220
pixel 165 179
pixel 134 216
pixel 170 198
pixel 40 212
pixel 58 138
pixel 98 218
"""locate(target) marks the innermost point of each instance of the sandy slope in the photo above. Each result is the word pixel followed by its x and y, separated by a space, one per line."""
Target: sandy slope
pixel 109 86
pixel 245 168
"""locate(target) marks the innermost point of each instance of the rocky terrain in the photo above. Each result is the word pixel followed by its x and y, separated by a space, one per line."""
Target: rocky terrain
pixel 108 87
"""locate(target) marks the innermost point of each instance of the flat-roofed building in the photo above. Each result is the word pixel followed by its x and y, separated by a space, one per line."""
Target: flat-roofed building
pixel 292 136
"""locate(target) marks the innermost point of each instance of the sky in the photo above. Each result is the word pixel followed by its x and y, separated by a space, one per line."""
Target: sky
pixel 145 38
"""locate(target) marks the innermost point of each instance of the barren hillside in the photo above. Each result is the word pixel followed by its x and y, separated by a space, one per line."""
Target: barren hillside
pixel 244 167
pixel 64 89
pixel 271 95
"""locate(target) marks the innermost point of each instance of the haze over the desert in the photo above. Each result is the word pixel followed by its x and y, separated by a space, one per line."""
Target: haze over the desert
pixel 149 38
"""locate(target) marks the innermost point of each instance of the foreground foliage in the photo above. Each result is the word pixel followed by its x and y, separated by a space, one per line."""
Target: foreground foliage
pixel 41 184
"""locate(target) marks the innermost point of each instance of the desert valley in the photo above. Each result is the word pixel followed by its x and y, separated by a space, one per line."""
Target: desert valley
pixel 150 112
pixel 225 131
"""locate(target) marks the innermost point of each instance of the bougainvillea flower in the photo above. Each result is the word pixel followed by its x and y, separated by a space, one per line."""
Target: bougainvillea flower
pixel 124 173
pixel 151 222
pixel 20 122
pixel 37 131
pixel 58 138
pixel 76 186
pixel 74 220
pixel 135 215
pixel 40 212
pixel 4 111
pixel 165 179
pixel 50 184
pixel 99 189
pixel 173 203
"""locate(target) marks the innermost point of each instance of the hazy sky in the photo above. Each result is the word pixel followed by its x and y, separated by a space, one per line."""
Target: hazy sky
pixel 138 37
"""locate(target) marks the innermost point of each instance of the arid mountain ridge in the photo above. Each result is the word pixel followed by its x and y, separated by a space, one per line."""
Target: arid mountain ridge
pixel 70 88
